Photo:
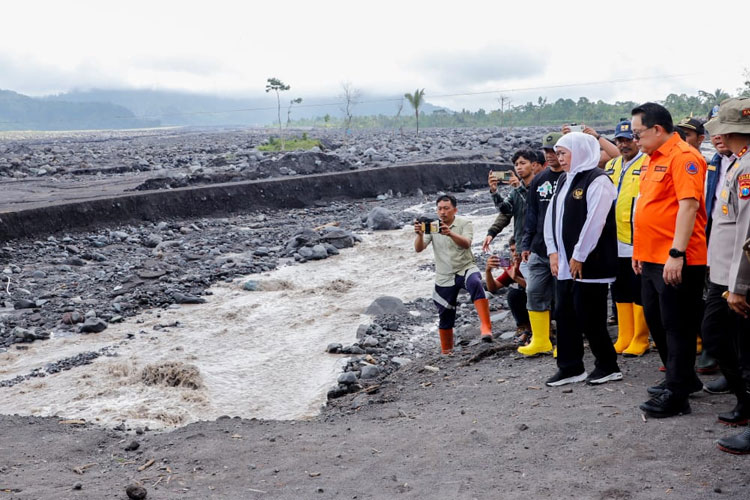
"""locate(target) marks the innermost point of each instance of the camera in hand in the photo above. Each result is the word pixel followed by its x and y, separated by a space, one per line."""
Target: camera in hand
pixel 575 127
pixel 429 225
pixel 502 175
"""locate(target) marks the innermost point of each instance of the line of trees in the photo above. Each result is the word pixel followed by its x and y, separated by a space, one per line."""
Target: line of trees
pixel 594 113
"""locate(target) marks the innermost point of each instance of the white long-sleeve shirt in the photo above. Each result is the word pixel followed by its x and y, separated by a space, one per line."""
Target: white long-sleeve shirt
pixel 600 196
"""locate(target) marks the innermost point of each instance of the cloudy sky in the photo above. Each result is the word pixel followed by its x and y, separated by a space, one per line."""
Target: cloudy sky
pixel 628 51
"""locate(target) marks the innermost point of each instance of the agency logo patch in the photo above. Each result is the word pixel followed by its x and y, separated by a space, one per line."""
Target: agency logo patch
pixel 578 194
pixel 744 189
pixel 691 168
pixel 746 112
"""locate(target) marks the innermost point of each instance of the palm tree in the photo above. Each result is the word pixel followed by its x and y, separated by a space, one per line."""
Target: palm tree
pixel 415 100
pixel 713 98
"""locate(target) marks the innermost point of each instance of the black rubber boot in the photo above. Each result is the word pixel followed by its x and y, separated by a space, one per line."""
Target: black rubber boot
pixel 737 445
pixel 740 414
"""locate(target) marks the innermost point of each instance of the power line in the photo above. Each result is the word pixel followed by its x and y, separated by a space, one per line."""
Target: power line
pixel 398 99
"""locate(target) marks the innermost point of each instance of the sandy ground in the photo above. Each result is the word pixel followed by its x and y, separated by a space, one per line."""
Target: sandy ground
pixel 486 429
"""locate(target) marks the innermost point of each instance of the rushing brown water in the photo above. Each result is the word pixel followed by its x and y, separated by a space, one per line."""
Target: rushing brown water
pixel 251 354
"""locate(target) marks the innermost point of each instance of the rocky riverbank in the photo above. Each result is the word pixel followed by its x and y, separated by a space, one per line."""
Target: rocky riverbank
pixel 402 420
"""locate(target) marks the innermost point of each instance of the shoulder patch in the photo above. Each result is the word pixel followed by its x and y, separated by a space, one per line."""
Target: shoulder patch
pixel 743 189
pixel 691 168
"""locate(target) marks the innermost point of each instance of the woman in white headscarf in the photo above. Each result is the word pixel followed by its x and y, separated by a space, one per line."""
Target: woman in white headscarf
pixel 581 238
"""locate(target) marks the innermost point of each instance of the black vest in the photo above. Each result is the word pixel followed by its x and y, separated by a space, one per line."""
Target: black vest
pixel 602 261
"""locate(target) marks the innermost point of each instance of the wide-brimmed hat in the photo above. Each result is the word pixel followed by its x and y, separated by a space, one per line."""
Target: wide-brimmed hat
pixel 733 117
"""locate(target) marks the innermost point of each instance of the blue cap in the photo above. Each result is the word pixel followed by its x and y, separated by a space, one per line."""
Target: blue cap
pixel 623 129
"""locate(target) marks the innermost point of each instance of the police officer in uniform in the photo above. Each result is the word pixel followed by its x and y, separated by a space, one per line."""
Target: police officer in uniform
pixel 728 302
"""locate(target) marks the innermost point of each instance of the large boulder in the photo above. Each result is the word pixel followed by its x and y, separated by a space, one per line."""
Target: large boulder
pixel 381 218
pixel 340 238
pixel 386 305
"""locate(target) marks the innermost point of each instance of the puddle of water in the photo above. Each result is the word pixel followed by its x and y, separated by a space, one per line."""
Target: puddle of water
pixel 256 354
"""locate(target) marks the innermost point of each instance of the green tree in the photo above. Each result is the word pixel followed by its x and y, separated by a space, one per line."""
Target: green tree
pixel 276 85
pixel 712 99
pixel 745 91
pixel 415 100
pixel 289 109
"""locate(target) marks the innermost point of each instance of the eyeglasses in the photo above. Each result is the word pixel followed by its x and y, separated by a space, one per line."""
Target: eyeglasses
pixel 637 135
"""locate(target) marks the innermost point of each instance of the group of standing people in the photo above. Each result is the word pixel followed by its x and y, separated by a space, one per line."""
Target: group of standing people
pixel 646 216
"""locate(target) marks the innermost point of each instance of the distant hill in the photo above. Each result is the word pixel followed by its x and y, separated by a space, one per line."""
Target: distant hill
pixel 178 108
pixel 20 112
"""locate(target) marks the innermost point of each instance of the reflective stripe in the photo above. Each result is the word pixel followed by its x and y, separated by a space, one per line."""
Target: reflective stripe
pixel 441 301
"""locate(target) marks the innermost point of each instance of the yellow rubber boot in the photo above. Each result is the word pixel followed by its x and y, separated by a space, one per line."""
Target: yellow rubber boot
pixel 624 326
pixel 446 340
pixel 483 310
pixel 639 345
pixel 540 343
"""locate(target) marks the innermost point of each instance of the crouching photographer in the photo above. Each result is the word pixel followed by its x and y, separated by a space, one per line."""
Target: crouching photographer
pixel 455 268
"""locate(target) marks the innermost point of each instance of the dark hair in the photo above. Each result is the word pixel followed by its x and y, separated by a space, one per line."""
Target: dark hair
pixel 681 133
pixel 447 197
pixel 526 154
pixel 541 158
pixel 512 241
pixel 654 114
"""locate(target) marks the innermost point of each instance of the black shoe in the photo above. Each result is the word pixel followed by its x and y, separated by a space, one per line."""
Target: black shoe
pixel 666 405
pixel 562 378
pixel 600 376
pixel 739 415
pixel 718 386
pixel 738 445
pixel 487 338
pixel 657 389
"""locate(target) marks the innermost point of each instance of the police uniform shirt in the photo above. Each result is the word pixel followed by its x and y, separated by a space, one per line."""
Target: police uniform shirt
pixel 731 227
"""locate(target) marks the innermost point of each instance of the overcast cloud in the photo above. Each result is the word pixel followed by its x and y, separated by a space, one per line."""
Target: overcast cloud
pixel 386 48
pixel 472 68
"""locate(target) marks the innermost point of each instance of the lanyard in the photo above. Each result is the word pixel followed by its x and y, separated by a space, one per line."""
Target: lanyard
pixel 625 170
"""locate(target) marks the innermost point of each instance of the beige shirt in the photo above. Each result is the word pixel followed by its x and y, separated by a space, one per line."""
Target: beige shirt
pixel 451 259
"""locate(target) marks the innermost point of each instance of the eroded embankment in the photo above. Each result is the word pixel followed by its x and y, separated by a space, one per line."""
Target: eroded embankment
pixel 289 192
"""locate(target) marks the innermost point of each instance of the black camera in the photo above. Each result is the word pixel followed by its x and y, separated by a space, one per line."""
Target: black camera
pixel 429 225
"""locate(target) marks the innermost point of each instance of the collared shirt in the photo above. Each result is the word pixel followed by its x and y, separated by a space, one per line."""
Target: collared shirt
pixel 599 198
pixel 731 228
pixel 726 162
pixel 451 259
pixel 675 171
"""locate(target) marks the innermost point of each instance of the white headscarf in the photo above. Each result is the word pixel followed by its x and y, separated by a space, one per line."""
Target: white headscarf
pixel 584 149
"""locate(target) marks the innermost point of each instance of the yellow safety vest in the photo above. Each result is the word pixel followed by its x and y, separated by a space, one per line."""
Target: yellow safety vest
pixel 627 191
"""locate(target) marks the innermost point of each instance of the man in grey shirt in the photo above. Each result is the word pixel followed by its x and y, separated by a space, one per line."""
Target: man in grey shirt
pixel 725 322
pixel 454 269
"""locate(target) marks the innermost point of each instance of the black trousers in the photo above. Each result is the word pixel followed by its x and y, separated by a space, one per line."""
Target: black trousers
pixel 726 337
pixel 673 315
pixel 627 285
pixel 517 304
pixel 582 310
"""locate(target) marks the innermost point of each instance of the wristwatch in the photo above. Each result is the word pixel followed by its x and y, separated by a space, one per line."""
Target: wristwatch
pixel 674 253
